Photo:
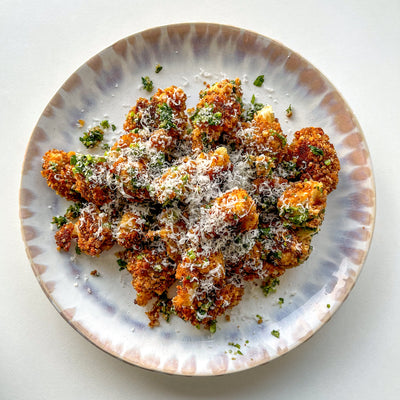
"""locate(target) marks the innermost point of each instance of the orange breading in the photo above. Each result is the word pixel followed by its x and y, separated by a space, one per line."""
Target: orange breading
pixel 238 209
pixel 91 192
pixel 152 274
pixel 64 236
pixel 203 293
pixel 93 231
pixel 262 136
pixel 172 228
pixel 315 157
pixel 303 204
pixel 282 247
pixel 57 170
pixel 166 110
pixel 130 175
pixel 218 111
pixel 130 230
pixel 135 115
pixel 179 181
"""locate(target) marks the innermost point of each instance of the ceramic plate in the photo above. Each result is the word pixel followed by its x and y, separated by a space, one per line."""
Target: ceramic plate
pixel 102 308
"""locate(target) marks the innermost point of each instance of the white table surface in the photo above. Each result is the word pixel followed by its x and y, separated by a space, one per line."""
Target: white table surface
pixel 356 45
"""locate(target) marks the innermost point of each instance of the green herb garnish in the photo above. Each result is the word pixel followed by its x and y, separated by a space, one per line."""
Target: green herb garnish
pixel 316 150
pixel 289 111
pixel 92 137
pixel 122 264
pixel 147 83
pixel 259 81
pixel 275 333
pixel 158 68
pixel 59 221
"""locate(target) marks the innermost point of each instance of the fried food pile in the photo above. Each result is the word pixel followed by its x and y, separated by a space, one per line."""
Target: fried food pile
pixel 199 201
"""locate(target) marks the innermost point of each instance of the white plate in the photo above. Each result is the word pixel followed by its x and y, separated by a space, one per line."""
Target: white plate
pixel 102 308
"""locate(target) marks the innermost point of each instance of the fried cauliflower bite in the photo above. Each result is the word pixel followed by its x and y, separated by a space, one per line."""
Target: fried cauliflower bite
pixel 97 194
pixel 315 157
pixel 165 110
pixel 262 136
pixel 303 204
pixel 152 273
pixel 282 247
pixel 57 170
pixel 130 230
pixel 234 209
pixel 218 111
pixel 136 114
pixel 181 180
pixel 203 293
pixel 172 229
pixel 65 235
pixel 93 231
pixel 132 178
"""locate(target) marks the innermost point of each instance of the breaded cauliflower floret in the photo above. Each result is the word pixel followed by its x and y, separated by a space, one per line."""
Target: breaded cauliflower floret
pixel 93 231
pixel 172 229
pixel 65 235
pixel 315 157
pixel 165 110
pixel 130 230
pixel 262 136
pixel 152 273
pixel 57 171
pixel 203 293
pixel 218 111
pixel 132 176
pixel 234 209
pixel 282 247
pixel 303 204
pixel 179 181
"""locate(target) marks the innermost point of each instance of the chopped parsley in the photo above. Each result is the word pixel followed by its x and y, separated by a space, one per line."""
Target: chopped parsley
pixel 191 254
pixel 147 83
pixel 328 162
pixel 166 116
pixel 270 286
pixel 289 111
pixel 158 68
pixel 281 300
pixel 213 326
pixel 78 250
pixel 206 115
pixel 259 81
pixel 122 264
pixel 59 221
pixel 275 333
pixel 73 211
pixel 316 150
pixel 105 124
pixel 92 137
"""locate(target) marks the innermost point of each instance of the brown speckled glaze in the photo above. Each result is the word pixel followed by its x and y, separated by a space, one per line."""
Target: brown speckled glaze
pixel 102 309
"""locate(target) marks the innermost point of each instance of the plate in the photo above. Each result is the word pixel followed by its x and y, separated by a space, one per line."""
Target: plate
pixel 102 308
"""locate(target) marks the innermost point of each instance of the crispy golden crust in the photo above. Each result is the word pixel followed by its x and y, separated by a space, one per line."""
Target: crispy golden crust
pixel 152 274
pixel 303 204
pixel 64 236
pixel 218 111
pixel 96 194
pixel 57 171
pixel 93 231
pixel 130 230
pixel 238 209
pixel 194 301
pixel 315 157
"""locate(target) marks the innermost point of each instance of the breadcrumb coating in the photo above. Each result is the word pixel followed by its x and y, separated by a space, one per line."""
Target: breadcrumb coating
pixel 315 157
